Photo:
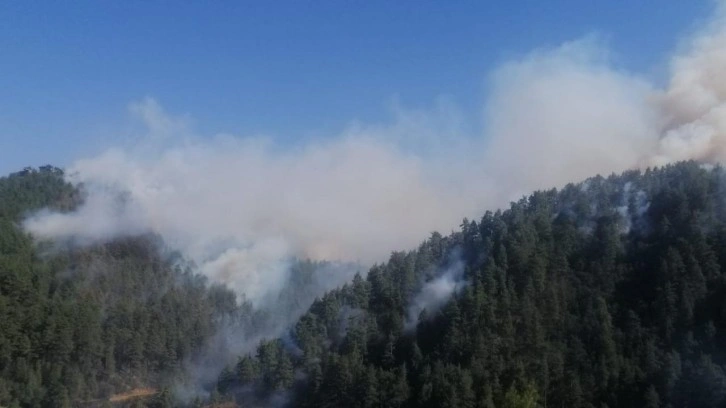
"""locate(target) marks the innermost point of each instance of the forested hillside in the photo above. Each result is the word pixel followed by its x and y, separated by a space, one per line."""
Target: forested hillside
pixel 77 325
pixel 608 293
pixel 126 322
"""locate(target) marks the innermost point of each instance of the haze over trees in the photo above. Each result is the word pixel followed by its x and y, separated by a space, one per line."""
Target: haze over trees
pixel 79 324
pixel 243 257
pixel 605 293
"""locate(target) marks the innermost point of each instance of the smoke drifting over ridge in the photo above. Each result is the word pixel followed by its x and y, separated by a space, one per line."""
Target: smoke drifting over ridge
pixel 241 206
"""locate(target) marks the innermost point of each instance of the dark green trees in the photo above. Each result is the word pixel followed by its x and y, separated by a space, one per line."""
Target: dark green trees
pixel 80 324
pixel 606 293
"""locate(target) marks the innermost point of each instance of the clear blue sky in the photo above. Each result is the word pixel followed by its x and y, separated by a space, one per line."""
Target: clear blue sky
pixel 68 70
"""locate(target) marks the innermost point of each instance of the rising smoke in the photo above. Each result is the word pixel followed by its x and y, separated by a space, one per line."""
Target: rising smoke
pixel 435 293
pixel 242 206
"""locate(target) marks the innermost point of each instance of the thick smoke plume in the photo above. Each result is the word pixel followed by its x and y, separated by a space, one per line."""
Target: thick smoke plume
pixel 242 206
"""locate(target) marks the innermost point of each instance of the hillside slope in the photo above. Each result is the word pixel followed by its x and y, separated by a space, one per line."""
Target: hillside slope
pixel 79 324
pixel 124 321
pixel 607 293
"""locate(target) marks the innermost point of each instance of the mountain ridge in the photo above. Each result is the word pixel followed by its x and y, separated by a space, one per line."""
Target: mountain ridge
pixel 602 293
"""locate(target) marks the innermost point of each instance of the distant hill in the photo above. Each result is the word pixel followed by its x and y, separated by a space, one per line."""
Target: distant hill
pixel 78 324
pixel 127 322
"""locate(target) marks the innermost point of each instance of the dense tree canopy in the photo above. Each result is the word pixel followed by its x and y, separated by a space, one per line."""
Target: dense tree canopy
pixel 606 293
pixel 77 325
pixel 87 325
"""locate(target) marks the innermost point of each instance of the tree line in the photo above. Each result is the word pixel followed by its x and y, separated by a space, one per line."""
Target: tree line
pixel 607 293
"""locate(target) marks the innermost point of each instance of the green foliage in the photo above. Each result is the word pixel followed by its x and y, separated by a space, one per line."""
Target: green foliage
pixel 606 293
pixel 78 324
pixel 525 398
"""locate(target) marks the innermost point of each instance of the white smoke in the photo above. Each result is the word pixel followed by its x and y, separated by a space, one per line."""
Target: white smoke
pixel 435 293
pixel 632 208
pixel 693 106
pixel 565 114
pixel 240 206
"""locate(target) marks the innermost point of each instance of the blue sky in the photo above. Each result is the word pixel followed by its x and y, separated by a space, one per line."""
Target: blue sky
pixel 68 70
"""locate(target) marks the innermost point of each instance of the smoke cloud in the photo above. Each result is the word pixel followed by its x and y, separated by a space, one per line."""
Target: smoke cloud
pixel 561 115
pixel 242 206
pixel 435 293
